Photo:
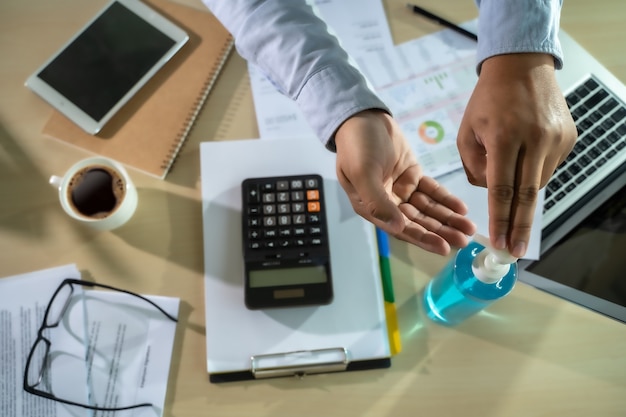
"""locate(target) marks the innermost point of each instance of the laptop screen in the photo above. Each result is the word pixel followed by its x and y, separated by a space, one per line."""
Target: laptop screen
pixel 591 258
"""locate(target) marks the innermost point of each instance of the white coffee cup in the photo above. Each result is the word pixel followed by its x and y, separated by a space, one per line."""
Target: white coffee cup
pixel 86 197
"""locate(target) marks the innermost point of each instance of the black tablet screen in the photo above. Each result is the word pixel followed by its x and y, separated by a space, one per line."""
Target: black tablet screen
pixel 100 66
pixel 592 257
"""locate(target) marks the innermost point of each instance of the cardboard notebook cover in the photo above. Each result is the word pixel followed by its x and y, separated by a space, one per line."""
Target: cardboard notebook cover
pixel 148 132
pixel 351 333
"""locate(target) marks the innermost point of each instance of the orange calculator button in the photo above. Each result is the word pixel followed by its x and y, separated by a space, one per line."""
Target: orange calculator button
pixel 312 195
pixel 313 206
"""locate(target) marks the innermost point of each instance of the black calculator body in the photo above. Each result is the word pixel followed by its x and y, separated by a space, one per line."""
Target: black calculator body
pixel 285 242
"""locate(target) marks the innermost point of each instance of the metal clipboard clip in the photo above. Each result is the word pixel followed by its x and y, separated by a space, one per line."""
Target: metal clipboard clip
pixel 299 363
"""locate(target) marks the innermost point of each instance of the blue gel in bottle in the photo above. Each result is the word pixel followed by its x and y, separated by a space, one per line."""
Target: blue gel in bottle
pixel 475 278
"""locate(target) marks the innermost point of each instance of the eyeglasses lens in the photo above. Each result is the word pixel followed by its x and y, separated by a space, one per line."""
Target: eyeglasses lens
pixel 37 363
pixel 55 312
pixel 58 304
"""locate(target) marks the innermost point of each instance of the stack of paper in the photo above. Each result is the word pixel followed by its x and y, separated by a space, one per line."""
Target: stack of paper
pixel 127 342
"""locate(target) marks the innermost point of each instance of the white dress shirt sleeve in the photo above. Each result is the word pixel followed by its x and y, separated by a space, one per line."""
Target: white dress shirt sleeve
pixel 519 26
pixel 294 49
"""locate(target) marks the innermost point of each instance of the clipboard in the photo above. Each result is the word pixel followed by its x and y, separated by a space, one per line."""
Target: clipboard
pixel 349 334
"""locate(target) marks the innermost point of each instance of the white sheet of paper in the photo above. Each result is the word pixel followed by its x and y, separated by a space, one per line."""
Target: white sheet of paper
pixel 23 300
pixel 427 82
pixel 360 25
pixel 128 346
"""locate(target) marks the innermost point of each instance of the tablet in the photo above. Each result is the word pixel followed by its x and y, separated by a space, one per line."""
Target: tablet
pixel 106 62
pixel 586 266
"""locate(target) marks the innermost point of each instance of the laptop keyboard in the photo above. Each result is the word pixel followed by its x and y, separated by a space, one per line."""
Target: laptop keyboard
pixel 601 122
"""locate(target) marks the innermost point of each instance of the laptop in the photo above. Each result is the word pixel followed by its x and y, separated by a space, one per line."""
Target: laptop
pixel 583 237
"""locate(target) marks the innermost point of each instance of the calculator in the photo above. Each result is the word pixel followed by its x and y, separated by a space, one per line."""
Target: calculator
pixel 285 242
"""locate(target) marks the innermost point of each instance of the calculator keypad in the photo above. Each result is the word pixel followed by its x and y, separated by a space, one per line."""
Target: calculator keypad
pixel 284 213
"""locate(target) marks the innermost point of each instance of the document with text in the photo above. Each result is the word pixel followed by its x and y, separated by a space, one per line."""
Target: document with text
pixel 426 82
pixel 110 349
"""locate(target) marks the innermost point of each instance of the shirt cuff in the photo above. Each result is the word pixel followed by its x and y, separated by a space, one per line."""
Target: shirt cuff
pixel 331 96
pixel 519 27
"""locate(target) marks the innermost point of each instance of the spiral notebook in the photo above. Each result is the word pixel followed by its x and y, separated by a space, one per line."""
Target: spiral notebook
pixel 149 131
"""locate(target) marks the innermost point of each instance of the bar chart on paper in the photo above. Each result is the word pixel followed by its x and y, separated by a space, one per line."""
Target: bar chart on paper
pixel 426 83
pixel 429 108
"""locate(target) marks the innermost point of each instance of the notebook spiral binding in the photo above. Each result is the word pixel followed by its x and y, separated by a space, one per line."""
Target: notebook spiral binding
pixel 197 108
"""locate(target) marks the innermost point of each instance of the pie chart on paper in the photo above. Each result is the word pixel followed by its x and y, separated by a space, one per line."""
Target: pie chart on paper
pixel 431 132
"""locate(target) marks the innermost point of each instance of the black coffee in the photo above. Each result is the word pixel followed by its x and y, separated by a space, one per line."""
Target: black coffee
pixel 96 191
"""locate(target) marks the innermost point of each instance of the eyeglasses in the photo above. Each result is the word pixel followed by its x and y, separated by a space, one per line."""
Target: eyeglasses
pixel 38 357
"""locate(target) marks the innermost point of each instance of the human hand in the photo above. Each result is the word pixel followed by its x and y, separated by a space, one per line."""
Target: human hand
pixel 515 132
pixel 381 176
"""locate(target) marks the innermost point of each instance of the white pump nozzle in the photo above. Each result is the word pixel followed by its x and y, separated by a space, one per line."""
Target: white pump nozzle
pixel 491 264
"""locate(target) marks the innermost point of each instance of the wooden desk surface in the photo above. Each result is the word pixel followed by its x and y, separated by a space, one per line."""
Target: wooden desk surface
pixel 531 355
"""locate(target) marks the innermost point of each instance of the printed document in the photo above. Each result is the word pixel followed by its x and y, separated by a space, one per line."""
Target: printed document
pixel 426 83
pixel 110 348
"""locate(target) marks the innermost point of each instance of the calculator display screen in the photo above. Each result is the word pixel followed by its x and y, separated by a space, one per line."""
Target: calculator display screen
pixel 288 276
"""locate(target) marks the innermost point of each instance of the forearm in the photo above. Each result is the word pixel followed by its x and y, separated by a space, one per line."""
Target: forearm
pixel 293 48
pixel 519 26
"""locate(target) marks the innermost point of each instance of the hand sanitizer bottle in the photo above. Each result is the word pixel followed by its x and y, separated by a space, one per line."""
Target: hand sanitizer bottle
pixel 475 278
